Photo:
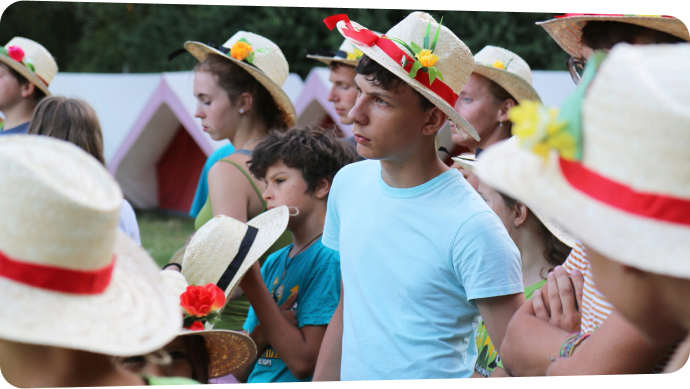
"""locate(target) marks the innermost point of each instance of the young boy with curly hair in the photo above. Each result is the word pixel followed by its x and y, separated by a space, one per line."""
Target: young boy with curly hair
pixel 295 293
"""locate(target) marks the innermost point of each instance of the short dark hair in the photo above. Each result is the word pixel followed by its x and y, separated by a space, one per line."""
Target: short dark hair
pixel 377 75
pixel 335 65
pixel 38 93
pixel 603 35
pixel 314 151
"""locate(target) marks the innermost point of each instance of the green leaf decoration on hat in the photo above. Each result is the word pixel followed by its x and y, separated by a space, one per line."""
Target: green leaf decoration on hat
pixel 541 129
pixel 425 57
pixel 26 62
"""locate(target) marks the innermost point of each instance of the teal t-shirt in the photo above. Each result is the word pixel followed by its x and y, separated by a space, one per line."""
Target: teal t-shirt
pixel 413 261
pixel 315 273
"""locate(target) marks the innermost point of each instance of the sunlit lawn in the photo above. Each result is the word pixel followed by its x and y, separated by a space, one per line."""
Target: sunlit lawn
pixel 162 234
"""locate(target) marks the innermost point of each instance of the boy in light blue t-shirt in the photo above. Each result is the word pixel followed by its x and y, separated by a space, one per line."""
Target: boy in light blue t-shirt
pixel 422 255
pixel 295 293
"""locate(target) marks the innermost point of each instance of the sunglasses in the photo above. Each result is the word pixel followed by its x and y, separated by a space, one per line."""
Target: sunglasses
pixel 576 67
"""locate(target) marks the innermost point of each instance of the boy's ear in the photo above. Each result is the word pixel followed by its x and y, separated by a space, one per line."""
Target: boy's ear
pixel 437 119
pixel 322 189
pixel 27 89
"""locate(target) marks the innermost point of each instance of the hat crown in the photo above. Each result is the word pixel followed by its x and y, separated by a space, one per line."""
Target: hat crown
pixel 636 116
pixel 220 237
pixel 59 206
pixel 490 55
pixel 43 61
pixel 455 58
pixel 267 55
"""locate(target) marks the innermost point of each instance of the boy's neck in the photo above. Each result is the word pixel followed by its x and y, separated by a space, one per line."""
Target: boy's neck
pixel 305 232
pixel 414 170
pixel 18 114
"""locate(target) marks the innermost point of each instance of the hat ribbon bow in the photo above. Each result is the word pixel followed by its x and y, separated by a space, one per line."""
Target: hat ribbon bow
pixel 369 38
pixel 56 279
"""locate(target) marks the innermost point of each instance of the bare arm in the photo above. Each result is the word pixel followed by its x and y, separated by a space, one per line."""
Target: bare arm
pixel 496 313
pixel 328 364
pixel 297 347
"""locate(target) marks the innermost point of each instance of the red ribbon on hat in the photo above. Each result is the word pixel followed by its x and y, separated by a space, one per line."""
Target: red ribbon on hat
pixel 659 207
pixel 616 15
pixel 56 279
pixel 369 38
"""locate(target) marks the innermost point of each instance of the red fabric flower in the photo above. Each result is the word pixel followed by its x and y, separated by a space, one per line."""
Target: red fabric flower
pixel 16 53
pixel 199 301
pixel 196 326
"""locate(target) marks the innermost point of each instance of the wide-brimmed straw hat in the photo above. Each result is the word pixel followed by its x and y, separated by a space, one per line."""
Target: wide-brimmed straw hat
pixel 223 249
pixel 347 54
pixel 468 162
pixel 31 60
pixel 227 350
pixel 68 277
pixel 259 57
pixel 508 70
pixel 636 109
pixel 454 62
pixel 566 30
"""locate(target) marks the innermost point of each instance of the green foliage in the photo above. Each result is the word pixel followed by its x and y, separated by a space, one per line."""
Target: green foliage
pixel 105 37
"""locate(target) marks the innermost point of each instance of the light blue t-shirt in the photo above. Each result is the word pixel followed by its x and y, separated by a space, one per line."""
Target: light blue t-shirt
pixel 412 261
pixel 202 186
pixel 315 273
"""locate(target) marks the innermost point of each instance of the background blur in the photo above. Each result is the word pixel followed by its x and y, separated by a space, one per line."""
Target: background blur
pixel 114 38
pixel 153 144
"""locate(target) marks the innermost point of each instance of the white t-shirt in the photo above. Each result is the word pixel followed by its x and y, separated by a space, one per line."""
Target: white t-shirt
pixel 128 222
pixel 412 261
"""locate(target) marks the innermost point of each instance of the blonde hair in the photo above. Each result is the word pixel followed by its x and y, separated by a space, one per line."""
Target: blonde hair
pixel 72 120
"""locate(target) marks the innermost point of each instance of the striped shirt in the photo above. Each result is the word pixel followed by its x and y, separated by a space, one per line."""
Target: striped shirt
pixel 595 308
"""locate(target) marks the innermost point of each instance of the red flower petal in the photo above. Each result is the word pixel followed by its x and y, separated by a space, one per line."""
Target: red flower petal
pixel 196 326
pixel 16 53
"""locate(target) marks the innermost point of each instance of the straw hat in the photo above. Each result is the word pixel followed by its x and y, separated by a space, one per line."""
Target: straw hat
pixel 347 54
pixel 266 63
pixel 508 70
pixel 222 250
pixel 22 54
pixel 566 30
pixel 455 61
pixel 635 213
pixel 468 163
pixel 68 277
pixel 227 350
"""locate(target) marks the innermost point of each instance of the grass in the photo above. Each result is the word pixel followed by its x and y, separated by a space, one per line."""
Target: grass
pixel 162 233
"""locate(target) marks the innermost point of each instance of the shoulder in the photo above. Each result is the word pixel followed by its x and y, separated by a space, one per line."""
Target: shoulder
pixel 229 169
pixel 222 152
pixel 355 168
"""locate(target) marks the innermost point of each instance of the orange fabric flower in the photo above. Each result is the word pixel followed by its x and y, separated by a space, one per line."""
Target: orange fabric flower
pixel 199 301
pixel 241 50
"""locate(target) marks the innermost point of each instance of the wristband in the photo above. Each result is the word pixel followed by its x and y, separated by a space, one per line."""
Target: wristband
pixel 570 343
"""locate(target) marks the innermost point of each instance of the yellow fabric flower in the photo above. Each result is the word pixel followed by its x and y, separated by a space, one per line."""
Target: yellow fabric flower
pixel 538 130
pixel 241 50
pixel 355 56
pixel 427 58
pixel 499 65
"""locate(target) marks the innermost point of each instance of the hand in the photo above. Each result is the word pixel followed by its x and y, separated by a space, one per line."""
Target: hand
pixel 561 307
pixel 285 309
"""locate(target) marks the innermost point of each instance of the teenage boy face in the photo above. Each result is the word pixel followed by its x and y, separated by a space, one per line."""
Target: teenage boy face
pixel 637 295
pixel 343 93
pixel 387 123
pixel 10 90
pixel 286 186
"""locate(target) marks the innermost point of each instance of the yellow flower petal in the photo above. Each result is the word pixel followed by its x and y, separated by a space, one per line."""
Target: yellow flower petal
pixel 499 64
pixel 426 58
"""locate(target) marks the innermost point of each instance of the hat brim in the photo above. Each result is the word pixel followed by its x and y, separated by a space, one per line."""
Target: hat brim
pixel 644 243
pixel 465 163
pixel 135 315
pixel 518 87
pixel 567 31
pixel 329 60
pixel 28 74
pixel 378 55
pixel 227 350
pixel 200 51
